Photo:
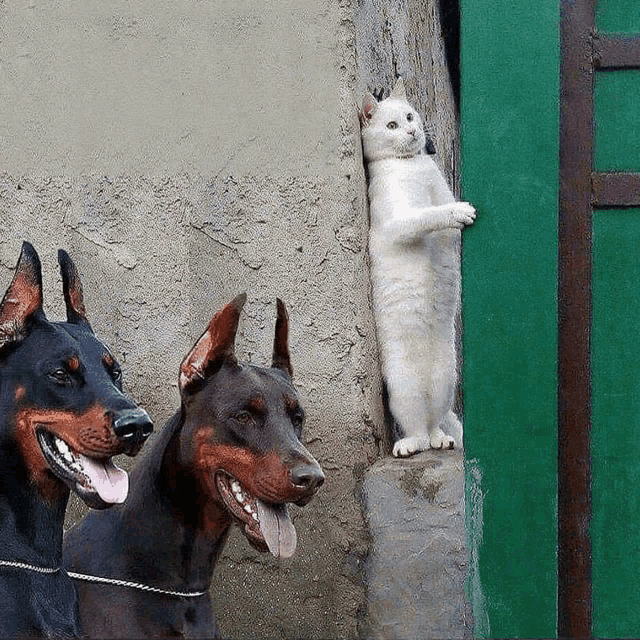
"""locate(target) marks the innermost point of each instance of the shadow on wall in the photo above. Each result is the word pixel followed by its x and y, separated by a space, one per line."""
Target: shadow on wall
pixel 450 19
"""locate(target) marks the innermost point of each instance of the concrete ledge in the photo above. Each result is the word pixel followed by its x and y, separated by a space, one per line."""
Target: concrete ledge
pixel 418 561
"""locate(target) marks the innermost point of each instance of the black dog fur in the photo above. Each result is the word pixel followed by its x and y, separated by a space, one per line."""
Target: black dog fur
pixel 236 433
pixel 58 382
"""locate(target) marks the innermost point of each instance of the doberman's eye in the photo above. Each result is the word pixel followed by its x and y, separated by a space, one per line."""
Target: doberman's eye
pixel 61 377
pixel 298 419
pixel 392 125
pixel 243 417
pixel 116 373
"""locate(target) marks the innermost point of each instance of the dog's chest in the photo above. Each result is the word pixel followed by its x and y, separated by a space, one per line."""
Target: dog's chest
pixel 187 618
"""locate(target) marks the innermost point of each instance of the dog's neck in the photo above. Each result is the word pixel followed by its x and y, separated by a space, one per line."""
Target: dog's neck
pixel 30 527
pixel 188 534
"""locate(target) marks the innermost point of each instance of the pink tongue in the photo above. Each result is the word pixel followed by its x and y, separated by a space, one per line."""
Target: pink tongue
pixel 110 482
pixel 277 529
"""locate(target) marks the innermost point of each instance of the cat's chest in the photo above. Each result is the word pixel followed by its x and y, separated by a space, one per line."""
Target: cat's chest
pixel 411 181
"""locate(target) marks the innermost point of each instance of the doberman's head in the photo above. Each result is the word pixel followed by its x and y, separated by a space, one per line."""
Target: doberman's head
pixel 63 414
pixel 242 425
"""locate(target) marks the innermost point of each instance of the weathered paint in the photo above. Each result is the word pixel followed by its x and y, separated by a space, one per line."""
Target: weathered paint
pixel 618 16
pixel 509 143
pixel 616 416
pixel 615 354
pixel 617 125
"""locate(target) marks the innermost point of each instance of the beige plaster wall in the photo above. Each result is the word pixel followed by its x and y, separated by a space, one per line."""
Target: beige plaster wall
pixel 183 151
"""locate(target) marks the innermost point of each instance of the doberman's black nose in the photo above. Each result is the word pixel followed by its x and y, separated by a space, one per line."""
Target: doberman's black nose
pixel 308 476
pixel 133 427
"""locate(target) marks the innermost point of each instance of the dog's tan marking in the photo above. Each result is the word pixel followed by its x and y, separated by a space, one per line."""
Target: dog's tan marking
pixel 88 433
pixel 266 476
pixel 290 402
pixel 257 402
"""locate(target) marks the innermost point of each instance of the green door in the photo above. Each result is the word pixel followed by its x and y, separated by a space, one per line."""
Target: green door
pixel 550 134
pixel 615 524
pixel 509 169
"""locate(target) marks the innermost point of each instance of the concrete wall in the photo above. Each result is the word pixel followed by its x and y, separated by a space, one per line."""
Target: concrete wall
pixel 414 509
pixel 405 38
pixel 183 152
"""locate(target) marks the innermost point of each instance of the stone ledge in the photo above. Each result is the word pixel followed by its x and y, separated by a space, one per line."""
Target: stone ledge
pixel 418 559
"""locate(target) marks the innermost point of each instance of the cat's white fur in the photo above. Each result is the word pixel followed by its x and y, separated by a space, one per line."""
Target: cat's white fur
pixel 414 247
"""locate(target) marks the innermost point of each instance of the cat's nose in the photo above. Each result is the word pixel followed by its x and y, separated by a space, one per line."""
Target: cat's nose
pixel 412 132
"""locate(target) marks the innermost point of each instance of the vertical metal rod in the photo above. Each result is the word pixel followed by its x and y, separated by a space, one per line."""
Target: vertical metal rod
pixel 574 320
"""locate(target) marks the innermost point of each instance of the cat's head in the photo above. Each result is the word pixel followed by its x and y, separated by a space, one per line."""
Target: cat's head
pixel 391 128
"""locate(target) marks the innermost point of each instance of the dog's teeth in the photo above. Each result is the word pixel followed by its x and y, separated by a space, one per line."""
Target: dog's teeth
pixel 62 446
pixel 239 496
pixel 248 509
pixel 235 486
pixel 67 456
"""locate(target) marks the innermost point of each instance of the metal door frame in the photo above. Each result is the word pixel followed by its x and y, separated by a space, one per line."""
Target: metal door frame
pixel 581 190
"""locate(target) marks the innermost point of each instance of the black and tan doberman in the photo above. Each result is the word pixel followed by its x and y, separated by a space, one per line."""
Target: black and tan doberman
pixel 62 417
pixel 230 454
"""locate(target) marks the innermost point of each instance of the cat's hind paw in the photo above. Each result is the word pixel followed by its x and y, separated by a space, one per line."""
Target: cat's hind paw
pixel 464 214
pixel 408 446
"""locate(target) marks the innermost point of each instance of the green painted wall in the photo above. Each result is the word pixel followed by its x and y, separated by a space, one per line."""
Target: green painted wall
pixel 618 16
pixel 509 168
pixel 617 130
pixel 615 525
pixel 509 116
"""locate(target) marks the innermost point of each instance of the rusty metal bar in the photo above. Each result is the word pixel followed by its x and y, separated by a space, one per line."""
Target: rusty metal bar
pixel 615 189
pixel 616 52
pixel 574 320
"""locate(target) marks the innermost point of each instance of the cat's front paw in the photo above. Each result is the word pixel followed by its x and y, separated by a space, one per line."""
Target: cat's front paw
pixel 441 440
pixel 464 214
pixel 408 446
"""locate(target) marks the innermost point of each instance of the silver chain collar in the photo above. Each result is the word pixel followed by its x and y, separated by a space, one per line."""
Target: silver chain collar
pixel 28 567
pixel 113 581
pixel 135 585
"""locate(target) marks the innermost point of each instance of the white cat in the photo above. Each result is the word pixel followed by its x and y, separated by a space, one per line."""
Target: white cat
pixel 414 246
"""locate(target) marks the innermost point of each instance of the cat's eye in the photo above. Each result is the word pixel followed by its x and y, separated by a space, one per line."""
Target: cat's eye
pixel 409 117
pixel 392 125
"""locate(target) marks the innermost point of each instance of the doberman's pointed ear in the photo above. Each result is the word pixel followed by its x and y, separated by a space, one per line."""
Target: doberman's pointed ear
pixel 281 358
pixel 214 346
pixel 23 298
pixel 398 90
pixel 72 289
pixel 369 106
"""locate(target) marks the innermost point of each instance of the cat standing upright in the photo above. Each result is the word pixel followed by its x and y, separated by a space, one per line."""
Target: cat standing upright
pixel 414 248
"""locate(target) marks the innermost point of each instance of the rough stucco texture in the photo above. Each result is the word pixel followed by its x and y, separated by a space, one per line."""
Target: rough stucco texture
pixel 404 38
pixel 158 257
pixel 183 152
pixel 417 561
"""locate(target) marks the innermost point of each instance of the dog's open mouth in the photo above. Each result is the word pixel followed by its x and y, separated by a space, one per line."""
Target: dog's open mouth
pixel 267 526
pixel 99 482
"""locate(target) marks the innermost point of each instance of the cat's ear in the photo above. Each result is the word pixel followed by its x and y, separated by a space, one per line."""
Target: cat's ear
pixel 369 106
pixel 398 92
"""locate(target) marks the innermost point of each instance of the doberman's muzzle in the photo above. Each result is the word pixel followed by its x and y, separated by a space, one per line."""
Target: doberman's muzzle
pixel 132 427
